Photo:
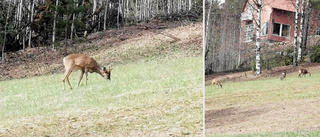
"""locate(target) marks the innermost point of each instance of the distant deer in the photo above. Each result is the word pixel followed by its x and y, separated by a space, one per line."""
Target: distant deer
pixel 85 64
pixel 216 82
pixel 303 72
pixel 284 74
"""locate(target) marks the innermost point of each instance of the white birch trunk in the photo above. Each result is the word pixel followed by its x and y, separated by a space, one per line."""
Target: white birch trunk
pixel 118 16
pixel 301 30
pixel 93 11
pixel 54 24
pixel 258 22
pixel 30 28
pixel 295 34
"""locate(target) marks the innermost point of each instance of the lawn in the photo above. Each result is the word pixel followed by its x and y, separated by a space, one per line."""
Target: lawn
pixel 264 107
pixel 160 97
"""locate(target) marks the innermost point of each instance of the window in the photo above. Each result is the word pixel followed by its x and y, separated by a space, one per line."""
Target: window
pixel 281 30
pixel 248 32
pixel 318 31
pixel 264 29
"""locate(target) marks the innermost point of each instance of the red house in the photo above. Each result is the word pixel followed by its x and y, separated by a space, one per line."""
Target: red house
pixel 277 20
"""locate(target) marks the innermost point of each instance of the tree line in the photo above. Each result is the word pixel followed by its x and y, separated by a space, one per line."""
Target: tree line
pixel 31 23
pixel 222 35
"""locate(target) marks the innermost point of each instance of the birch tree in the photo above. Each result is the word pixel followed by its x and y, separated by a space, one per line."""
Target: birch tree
pixel 258 23
pixel 31 21
pixel 302 18
pixel 295 43
pixel 54 24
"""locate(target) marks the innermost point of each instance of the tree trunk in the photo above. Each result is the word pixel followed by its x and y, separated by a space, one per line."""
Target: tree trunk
pixel 301 30
pixel 295 44
pixel 258 22
pixel 118 16
pixel 93 11
pixel 54 24
pixel 307 28
pixel 105 16
pixel 5 33
pixel 207 23
pixel 31 21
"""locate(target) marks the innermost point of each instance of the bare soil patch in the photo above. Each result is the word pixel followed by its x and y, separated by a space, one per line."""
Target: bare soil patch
pixel 285 116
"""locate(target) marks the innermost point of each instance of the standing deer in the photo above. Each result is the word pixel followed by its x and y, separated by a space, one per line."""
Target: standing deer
pixel 216 82
pixel 284 74
pixel 303 72
pixel 85 64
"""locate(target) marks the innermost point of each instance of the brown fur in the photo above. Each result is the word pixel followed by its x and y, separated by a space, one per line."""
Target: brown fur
pixel 85 64
pixel 303 72
pixel 216 82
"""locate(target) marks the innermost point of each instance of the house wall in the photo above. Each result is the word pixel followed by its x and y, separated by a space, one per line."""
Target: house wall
pixel 265 16
pixel 268 13
pixel 281 17
pixel 314 21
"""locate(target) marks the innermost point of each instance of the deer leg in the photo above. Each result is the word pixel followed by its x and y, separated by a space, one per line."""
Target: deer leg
pixel 86 71
pixel 66 77
pixel 82 71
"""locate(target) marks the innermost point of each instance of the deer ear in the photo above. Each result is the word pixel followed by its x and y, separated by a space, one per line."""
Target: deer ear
pixel 110 68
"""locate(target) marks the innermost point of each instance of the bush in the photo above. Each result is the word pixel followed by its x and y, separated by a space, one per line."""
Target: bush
pixel 315 54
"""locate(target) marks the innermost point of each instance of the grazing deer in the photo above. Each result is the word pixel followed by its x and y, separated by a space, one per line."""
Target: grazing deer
pixel 284 74
pixel 303 72
pixel 215 82
pixel 85 64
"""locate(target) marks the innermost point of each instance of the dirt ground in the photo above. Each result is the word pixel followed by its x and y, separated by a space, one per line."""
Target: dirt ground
pixel 274 117
pixel 282 116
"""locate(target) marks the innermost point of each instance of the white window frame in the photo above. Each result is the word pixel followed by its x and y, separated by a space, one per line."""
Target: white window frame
pixel 317 31
pixel 248 32
pixel 280 32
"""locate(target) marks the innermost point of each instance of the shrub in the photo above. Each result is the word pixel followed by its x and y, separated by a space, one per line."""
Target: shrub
pixel 315 54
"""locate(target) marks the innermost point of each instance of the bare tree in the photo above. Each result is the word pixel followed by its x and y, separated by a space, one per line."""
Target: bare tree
pixel 258 23
pixel 31 21
pixel 54 24
pixel 295 44
pixel 302 18
pixel 5 32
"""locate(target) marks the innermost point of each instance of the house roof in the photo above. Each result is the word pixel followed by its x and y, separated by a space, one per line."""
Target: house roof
pixel 288 5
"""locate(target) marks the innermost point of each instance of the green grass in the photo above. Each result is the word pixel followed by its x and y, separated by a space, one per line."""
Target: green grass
pixel 275 134
pixel 277 104
pixel 147 98
pixel 264 91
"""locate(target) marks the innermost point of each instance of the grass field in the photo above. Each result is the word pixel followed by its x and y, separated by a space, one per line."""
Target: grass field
pixel 160 97
pixel 276 134
pixel 265 107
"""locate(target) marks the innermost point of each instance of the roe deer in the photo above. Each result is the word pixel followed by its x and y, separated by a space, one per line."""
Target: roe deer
pixel 284 74
pixel 85 64
pixel 216 82
pixel 303 72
